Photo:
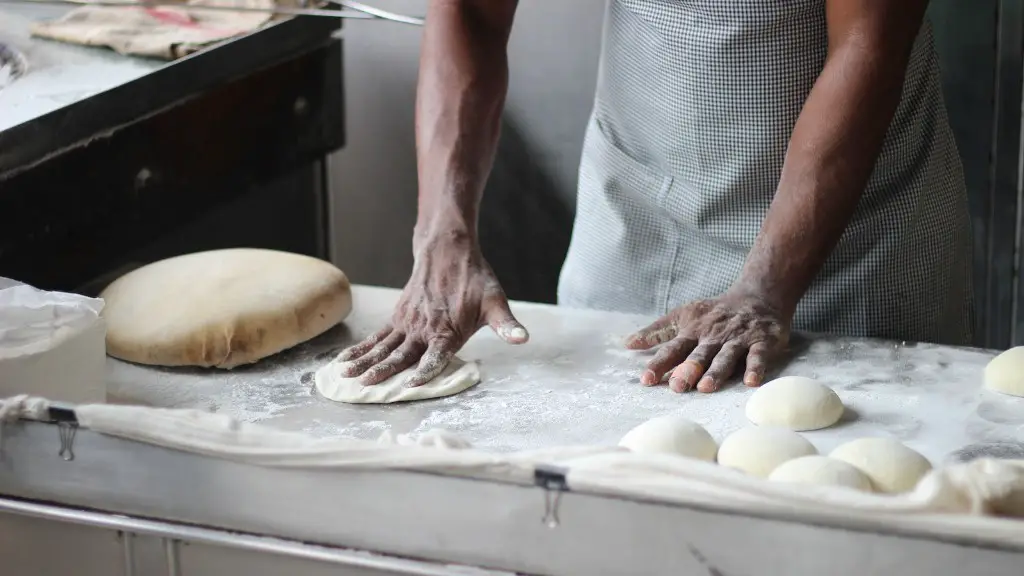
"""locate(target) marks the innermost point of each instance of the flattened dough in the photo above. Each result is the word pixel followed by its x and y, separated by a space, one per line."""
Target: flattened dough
pixel 1005 372
pixel 222 308
pixel 796 403
pixel 459 376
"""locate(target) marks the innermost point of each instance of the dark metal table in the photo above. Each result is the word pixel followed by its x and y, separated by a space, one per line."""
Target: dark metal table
pixel 106 160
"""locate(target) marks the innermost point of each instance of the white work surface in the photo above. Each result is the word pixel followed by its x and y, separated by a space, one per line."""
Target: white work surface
pixel 574 383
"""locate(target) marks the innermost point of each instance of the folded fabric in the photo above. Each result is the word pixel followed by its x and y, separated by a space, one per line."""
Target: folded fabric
pixel 975 499
pixel 159 32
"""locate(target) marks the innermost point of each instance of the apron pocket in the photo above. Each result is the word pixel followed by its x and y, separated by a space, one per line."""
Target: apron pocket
pixel 623 244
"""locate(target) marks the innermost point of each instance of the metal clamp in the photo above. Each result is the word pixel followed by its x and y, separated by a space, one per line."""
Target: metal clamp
pixel 67 427
pixel 66 431
pixel 553 480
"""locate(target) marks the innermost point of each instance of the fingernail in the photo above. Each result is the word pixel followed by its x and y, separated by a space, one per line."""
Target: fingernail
pixel 752 380
pixel 648 378
pixel 675 384
pixel 688 373
pixel 516 333
pixel 706 385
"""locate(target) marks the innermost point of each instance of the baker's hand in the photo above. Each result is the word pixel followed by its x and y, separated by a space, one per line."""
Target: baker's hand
pixel 451 294
pixel 705 341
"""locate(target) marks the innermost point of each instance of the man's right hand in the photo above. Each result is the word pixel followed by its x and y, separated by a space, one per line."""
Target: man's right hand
pixel 452 293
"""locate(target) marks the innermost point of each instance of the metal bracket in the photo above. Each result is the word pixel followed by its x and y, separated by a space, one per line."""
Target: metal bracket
pixel 553 480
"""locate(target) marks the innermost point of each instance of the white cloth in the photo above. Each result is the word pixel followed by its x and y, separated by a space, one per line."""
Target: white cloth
pixel 951 500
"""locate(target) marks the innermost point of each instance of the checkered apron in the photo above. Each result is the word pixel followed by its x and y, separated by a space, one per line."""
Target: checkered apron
pixel 695 103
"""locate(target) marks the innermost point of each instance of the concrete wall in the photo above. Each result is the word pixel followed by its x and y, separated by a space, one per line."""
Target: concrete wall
pixel 554 53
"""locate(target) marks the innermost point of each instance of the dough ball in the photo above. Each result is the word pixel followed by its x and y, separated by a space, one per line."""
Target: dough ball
pixel 892 467
pixel 821 470
pixel 456 377
pixel 222 308
pixel 1005 372
pixel 758 451
pixel 796 403
pixel 671 434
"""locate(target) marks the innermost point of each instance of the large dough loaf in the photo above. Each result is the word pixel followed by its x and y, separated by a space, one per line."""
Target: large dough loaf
pixel 222 308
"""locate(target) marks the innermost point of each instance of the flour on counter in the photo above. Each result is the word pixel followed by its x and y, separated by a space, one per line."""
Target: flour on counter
pixel 571 384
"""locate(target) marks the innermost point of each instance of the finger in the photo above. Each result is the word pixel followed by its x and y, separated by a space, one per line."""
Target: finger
pixel 403 357
pixel 757 364
pixel 721 367
pixel 363 347
pixel 434 361
pixel 374 356
pixel 668 356
pixel 685 376
pixel 499 317
pixel 662 330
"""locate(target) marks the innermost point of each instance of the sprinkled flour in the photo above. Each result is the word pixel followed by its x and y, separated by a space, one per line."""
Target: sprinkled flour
pixel 573 383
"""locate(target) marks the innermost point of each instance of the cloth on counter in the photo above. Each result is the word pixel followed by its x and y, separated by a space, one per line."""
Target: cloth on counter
pixel 959 499
pixel 158 32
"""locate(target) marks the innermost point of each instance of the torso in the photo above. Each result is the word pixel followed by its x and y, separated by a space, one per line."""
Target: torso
pixel 695 103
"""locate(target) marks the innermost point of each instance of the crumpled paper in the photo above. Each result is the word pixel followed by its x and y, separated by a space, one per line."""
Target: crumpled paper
pixel 166 32
pixel 33 320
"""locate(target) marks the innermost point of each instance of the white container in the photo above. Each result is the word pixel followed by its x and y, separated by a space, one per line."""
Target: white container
pixel 52 345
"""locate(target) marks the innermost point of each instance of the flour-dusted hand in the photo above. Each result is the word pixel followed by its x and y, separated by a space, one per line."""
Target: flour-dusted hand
pixel 704 342
pixel 463 79
pixel 452 293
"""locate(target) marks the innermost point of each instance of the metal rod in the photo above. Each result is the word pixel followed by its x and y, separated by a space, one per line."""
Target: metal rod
pixel 171 552
pixel 128 549
pixel 378 13
pixel 184 533
pixel 351 13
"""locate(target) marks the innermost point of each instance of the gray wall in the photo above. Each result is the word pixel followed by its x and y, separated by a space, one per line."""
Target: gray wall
pixel 554 53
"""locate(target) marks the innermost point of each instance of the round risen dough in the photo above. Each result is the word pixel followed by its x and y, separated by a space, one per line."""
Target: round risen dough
pixel 1005 372
pixel 456 377
pixel 892 467
pixel 671 434
pixel 222 308
pixel 796 403
pixel 758 451
pixel 821 470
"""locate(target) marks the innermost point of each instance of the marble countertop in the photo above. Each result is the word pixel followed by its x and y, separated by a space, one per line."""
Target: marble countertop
pixel 574 383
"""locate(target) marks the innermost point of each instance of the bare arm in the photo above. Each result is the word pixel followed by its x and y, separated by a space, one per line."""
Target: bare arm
pixel 834 145
pixel 452 291
pixel 462 86
pixel 832 151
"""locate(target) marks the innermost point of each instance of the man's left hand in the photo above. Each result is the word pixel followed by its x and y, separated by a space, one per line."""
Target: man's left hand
pixel 703 342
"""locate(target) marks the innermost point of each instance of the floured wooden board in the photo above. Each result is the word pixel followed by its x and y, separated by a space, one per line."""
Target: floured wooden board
pixel 575 384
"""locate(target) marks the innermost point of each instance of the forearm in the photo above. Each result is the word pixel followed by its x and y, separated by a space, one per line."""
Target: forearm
pixel 461 92
pixel 831 155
